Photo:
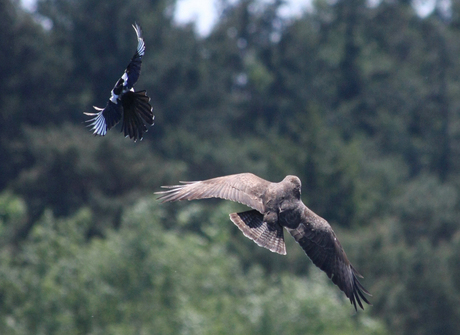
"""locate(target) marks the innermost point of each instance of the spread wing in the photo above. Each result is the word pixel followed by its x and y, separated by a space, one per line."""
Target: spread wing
pixel 133 69
pixel 245 188
pixel 105 118
pixel 319 242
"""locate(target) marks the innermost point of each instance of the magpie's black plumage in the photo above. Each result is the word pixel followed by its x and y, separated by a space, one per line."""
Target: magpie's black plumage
pixel 125 104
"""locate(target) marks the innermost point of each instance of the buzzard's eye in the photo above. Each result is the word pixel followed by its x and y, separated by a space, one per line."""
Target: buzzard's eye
pixel 297 193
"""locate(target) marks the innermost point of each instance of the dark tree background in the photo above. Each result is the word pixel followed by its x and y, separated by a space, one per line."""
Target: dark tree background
pixel 361 102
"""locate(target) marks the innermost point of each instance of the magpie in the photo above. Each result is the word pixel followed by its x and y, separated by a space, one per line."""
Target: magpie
pixel 132 107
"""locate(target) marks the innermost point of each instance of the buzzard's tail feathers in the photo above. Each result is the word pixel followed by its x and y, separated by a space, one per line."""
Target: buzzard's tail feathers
pixel 252 225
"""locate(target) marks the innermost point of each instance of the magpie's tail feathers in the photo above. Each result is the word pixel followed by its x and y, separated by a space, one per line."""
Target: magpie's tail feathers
pixel 138 114
pixel 104 118
pixel 144 108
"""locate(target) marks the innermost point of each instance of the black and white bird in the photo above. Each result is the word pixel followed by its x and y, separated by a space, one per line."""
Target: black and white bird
pixel 277 206
pixel 132 107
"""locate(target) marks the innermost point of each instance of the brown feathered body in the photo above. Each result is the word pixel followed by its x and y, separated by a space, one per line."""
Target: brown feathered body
pixel 277 206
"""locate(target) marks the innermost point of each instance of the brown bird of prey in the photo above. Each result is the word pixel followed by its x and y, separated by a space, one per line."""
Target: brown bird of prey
pixel 278 205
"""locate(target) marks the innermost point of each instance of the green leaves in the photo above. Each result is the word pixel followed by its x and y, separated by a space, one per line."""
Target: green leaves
pixel 144 279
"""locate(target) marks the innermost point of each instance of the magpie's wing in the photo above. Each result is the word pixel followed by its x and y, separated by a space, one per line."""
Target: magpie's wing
pixel 318 240
pixel 133 70
pixel 105 118
pixel 245 188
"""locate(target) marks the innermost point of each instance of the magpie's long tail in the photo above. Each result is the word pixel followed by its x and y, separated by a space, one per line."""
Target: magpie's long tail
pixel 137 114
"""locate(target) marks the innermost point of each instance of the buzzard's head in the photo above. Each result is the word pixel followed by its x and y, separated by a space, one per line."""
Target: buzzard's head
pixel 294 184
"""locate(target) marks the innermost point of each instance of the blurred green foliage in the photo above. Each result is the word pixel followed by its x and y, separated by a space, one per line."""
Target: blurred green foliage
pixel 145 279
pixel 360 101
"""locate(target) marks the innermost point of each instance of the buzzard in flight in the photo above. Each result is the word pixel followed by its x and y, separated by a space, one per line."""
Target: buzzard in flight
pixel 278 205
pixel 125 104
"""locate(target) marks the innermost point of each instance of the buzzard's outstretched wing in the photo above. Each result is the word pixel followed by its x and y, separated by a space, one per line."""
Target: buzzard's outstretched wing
pixel 245 188
pixel 319 242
